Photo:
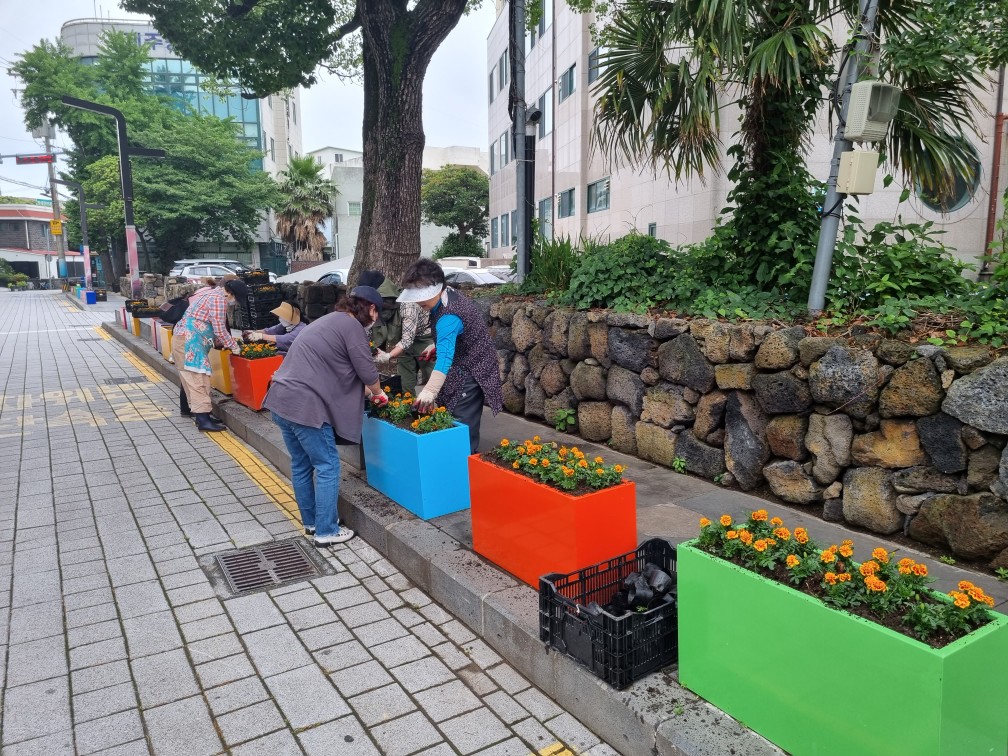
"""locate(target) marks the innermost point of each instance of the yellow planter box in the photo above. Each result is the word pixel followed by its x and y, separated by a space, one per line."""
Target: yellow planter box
pixel 136 326
pixel 166 341
pixel 220 370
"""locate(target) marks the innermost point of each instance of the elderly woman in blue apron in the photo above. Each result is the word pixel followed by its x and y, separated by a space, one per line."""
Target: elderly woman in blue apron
pixel 192 339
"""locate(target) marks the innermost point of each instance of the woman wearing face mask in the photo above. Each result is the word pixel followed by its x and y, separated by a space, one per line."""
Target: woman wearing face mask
pixel 282 334
pixel 193 338
pixel 318 394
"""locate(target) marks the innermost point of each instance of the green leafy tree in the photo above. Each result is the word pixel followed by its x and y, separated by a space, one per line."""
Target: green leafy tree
pixel 205 186
pixel 305 202
pixel 671 68
pixel 458 197
pixel 270 45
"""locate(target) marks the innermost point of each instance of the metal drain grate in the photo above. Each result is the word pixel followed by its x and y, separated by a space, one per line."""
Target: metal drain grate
pixel 124 381
pixel 266 566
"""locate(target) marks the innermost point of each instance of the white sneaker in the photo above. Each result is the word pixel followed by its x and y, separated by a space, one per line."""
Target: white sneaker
pixel 344 535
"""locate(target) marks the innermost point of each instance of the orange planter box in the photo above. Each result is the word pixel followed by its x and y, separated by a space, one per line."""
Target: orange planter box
pixel 531 529
pixel 250 379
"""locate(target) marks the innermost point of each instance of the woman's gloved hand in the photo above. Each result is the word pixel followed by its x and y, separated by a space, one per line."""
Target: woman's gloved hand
pixel 427 399
pixel 379 399
pixel 382 357
pixel 429 354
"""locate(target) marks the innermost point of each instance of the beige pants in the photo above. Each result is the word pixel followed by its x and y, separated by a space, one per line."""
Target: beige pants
pixel 196 385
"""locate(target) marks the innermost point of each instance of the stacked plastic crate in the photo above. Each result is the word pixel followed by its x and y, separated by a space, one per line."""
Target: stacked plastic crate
pixel 263 297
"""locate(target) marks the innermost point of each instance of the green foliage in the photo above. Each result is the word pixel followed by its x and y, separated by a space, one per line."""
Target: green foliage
pixel 305 202
pixel 564 419
pixel 7 200
pixel 944 559
pixel 1002 574
pixel 628 274
pixel 454 245
pixel 458 197
pixel 552 263
pixel 9 277
pixel 679 465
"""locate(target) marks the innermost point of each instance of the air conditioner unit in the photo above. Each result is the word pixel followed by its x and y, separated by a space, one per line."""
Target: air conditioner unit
pixel 871 107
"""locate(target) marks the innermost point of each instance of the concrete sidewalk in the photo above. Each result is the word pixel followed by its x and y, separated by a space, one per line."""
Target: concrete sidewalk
pixel 655 714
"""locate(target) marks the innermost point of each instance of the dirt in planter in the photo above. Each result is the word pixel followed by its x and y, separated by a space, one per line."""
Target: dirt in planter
pixel 405 425
pixel 582 490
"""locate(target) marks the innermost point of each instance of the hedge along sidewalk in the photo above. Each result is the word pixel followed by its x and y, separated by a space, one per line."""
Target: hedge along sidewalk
pixel 654 713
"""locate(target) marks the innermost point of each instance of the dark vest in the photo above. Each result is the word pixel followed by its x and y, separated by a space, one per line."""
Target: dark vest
pixel 474 353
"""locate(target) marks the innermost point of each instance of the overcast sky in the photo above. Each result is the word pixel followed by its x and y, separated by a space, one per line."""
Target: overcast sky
pixel 454 93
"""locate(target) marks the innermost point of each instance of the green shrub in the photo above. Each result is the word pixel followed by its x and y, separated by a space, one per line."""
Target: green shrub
pixel 551 264
pixel 628 274
pixel 455 245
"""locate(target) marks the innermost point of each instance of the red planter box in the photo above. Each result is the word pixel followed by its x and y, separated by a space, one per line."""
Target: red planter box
pixel 531 529
pixel 250 379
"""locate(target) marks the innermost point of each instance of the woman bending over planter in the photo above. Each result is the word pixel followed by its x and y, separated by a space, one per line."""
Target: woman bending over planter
pixel 193 338
pixel 284 332
pixel 465 373
pixel 317 397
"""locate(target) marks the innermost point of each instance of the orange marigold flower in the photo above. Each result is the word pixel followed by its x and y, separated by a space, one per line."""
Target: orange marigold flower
pixel 619 468
pixel 536 439
pixel 830 577
pixel 846 551
pixel 827 557
pixel 522 450
pixel 598 460
pixel 792 561
pixel 961 600
pixel 965 585
pixel 731 535
pixel 515 465
pixel 920 570
pixel 869 568
pixel 906 562
pixel 905 570
pixel 533 461
pixel 776 522
pixel 505 443
pixel 704 522
pixel 725 520
pixel 563 452
pixel 583 463
pixel 568 471
pixel 875 585
pixel 415 424
pixel 988 600
pixel 880 555
pixel 760 545
pixel 746 537
pixel 599 471
pixel 783 533
pixel 387 389
pixel 760 515
pixel 545 463
pixel 844 577
pixel 976 593
pixel 801 535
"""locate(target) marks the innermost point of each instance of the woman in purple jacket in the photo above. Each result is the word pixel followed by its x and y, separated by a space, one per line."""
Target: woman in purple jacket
pixel 284 332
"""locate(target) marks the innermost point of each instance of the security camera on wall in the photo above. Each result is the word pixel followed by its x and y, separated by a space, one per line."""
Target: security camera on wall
pixel 534 115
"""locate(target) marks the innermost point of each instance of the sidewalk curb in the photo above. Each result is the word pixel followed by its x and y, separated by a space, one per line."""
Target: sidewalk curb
pixel 653 716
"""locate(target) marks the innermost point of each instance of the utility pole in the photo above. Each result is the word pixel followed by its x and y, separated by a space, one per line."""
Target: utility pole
pixel 84 207
pixel 126 176
pixel 833 204
pixel 61 265
pixel 518 141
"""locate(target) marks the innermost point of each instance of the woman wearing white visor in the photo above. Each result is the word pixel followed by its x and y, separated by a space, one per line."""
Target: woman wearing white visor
pixel 465 371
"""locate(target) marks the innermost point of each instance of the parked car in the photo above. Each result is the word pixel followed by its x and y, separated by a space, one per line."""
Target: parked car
pixel 196 270
pixel 473 277
pixel 334 271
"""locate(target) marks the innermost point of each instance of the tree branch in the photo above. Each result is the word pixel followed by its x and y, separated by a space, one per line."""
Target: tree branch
pixel 349 27
pixel 242 9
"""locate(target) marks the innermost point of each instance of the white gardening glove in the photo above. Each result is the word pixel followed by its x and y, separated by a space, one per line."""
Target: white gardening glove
pixel 236 349
pixel 382 357
pixel 427 400
pixel 256 336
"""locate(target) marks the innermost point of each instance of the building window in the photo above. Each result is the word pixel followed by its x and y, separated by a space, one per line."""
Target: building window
pixel 290 150
pixel 493 233
pixel 565 204
pixel 491 90
pixel 338 157
pixel 493 157
pixel 546 107
pixel 598 196
pixel 505 230
pixel 353 208
pixel 566 84
pixel 593 65
pixel 546 217
pixel 505 156
pixel 652 229
pixel 294 112
pixel 272 149
pixel 502 71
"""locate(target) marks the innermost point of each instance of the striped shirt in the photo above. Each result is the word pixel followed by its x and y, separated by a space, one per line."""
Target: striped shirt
pixel 210 306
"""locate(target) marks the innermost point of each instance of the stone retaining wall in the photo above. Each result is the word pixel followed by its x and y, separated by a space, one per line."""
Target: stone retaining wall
pixel 882 434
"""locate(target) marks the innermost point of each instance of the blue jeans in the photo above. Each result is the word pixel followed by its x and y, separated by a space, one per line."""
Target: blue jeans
pixel 315 473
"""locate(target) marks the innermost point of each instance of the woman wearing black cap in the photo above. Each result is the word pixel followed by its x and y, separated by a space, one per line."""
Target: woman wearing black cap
pixel 319 391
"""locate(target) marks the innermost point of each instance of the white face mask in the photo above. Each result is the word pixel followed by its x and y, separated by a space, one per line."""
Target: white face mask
pixel 286 324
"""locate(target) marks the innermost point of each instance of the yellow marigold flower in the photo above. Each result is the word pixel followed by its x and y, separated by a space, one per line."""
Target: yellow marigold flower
pixel 905 570
pixel 731 535
pixel 760 545
pixel 965 585
pixel 776 522
pixel 875 585
pixel 505 443
pixel 387 389
pixel 976 593
pixel 536 439
pixel 783 533
pixel 583 463
pixel 801 535
pixel 843 577
pixel 792 561
pixel 598 460
pixel 568 471
pixel 906 562
pixel 760 515
pixel 745 536
pixel 827 557
pixel 395 403
pixel 846 551
pixel 961 599
pixel 533 461
pixel 869 568
pixel 988 600
pixel 415 424
pixel 522 450
pixel 725 520
pixel 563 452
pixel 407 395
pixel 545 462
pixel 704 522
pixel 599 471
pixel 880 555
pixel 619 468
pixel 830 577
pixel 920 570
pixel 515 465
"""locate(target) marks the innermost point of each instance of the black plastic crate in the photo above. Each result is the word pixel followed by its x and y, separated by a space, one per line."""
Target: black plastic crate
pixel 255 276
pixel 394 383
pixel 619 650
pixel 136 303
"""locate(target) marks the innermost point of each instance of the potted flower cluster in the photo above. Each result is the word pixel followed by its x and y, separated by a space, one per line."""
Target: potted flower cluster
pixel 539 507
pixel 864 657
pixel 251 372
pixel 417 459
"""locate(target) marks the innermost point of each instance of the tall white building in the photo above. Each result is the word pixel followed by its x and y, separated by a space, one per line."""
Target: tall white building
pixel 579 193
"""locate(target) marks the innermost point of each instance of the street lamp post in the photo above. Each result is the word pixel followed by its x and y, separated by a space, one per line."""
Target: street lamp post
pixel 126 175
pixel 84 207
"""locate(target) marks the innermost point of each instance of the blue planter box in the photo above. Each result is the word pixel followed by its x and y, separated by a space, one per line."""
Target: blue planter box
pixel 426 473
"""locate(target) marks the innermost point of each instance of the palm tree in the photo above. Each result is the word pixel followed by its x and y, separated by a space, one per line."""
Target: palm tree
pixel 306 203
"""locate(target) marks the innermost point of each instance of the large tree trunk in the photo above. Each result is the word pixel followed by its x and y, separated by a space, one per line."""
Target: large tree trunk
pixel 397 46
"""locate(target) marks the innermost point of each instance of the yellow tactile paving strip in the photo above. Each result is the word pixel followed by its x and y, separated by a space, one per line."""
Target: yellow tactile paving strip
pixel 271 484
pixel 147 372
pixel 557 749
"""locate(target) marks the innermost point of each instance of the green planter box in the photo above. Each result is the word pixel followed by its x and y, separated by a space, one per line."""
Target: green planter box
pixel 815 680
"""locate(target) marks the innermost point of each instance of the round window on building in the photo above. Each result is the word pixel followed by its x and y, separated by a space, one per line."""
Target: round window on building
pixel 960 194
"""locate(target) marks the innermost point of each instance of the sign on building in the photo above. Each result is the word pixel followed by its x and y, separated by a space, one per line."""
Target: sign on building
pixel 56 227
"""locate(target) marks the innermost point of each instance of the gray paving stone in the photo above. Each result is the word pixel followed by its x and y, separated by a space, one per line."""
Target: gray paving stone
pixel 441 749
pixel 299 599
pixel 250 722
pixel 345 733
pixel 280 743
pixel 347 597
pixel 41 708
pixel 399 651
pixel 446 701
pixel 505 707
pixel 435 614
pixel 140 598
pixel 311 616
pixel 36 660
pixel 163 678
pixel 183 727
pixel 95 654
pixel 190 594
pixel 207 628
pixel 477 680
pixel 405 735
pixel 458 633
pixel 254 612
pixel 602 749
pixel 151 634
pixel 452 656
pixel 408 617
pixel 48 745
pixel 378 632
pixel 429 634
pixel 306 697
pixel 508 678
pixel 382 705
pixel 102 676
pixel 216 647
pixel 101 734
pixel 533 733
pixel 363 614
pixel 572 733
pixel 220 671
pixel 329 634
pixel 344 655
pixel 415 598
pixel 183 579
pixel 236 695
pixel 361 678
pixel 475 731
pixel 198 611
pixel 131 569
pixel 512 747
pixel 538 705
pixel 331 583
pixel 425 673
pixel 101 703
pixel 91 614
pixel 275 650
